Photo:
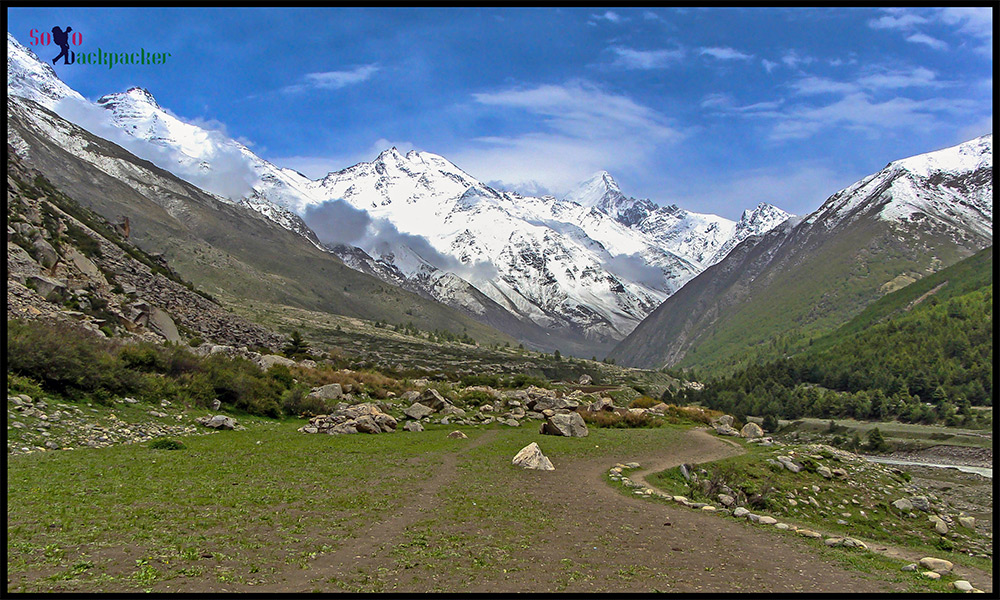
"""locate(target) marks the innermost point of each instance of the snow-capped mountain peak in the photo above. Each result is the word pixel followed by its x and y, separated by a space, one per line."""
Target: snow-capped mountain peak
pixel 30 77
pixel 944 185
pixel 595 191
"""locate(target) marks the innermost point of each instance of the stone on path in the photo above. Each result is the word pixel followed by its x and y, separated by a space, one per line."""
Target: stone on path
pixel 938 565
pixel 768 520
pixel 531 457
pixel 740 512
pixel 457 435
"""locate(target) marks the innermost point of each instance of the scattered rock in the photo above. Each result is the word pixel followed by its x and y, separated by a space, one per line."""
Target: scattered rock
pixel 332 391
pixel 418 411
pixel 903 504
pixel 751 431
pixel 768 520
pixel 531 457
pixel 921 503
pixel 962 585
pixel 938 565
pixel 569 425
pixel 413 426
pixel 433 399
pixel 457 435
pixel 267 361
pixel 967 522
pixel 910 567
pixel 726 499
pixel 939 525
pixel 740 512
pixel 824 472
pixel 217 422
pixel 585 379
pixel 808 533
pixel 931 575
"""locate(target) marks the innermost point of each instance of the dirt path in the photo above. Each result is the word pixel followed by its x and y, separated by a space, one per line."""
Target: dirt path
pixel 603 541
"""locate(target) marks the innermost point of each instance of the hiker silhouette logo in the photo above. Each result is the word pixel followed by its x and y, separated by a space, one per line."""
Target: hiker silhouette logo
pixel 61 38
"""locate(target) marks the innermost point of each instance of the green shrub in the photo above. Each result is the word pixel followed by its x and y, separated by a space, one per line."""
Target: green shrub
pixel 165 444
pixel 475 397
pixel 296 401
pixel 643 402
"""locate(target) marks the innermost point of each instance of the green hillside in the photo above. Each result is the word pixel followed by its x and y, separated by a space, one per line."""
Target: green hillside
pixel 921 354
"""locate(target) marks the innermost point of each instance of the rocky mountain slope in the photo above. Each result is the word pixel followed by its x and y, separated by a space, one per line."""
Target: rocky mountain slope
pixel 773 292
pixel 224 248
pixel 65 262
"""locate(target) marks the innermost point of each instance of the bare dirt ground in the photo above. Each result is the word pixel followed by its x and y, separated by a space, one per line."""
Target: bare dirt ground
pixel 603 541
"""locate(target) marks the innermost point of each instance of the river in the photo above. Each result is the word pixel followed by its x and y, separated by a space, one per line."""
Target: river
pixel 984 471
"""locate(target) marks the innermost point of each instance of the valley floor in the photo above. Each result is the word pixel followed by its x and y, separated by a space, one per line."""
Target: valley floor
pixel 269 509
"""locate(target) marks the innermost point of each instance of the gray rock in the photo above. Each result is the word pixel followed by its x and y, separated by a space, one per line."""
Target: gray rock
pixel 457 435
pixel 366 424
pixel 215 404
pixel 938 565
pixel 570 425
pixel 385 422
pixel 217 422
pixel 903 504
pixel 413 426
pixel 585 379
pixel 433 399
pixel 267 361
pixel 46 285
pixel 767 520
pixel 531 457
pixel 725 421
pixel 921 503
pixel 418 411
pixel 726 499
pixel 967 522
pixel 342 428
pixel 332 391
pixel 751 431
pixel 962 585
pixel 939 525
pixel 909 567
pixel 739 511
pixel 824 472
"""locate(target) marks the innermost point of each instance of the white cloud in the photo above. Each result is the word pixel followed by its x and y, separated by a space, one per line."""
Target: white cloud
pixel 974 22
pixel 898 20
pixel 793 59
pixel 768 65
pixel 859 112
pixel 334 80
pixel 645 59
pixel 580 129
pixel 922 38
pixel 725 53
pixel 876 79
pixel 610 16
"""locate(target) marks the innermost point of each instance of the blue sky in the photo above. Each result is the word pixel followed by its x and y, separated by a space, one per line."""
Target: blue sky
pixel 711 109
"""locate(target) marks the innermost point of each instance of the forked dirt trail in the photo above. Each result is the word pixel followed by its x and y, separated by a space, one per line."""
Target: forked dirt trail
pixel 602 541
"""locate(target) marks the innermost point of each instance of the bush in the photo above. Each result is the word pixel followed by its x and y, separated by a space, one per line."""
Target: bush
pixel 296 402
pixel 643 402
pixel 475 397
pixel 165 444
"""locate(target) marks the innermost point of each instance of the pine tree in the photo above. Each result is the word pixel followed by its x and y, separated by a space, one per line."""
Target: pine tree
pixel 296 345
